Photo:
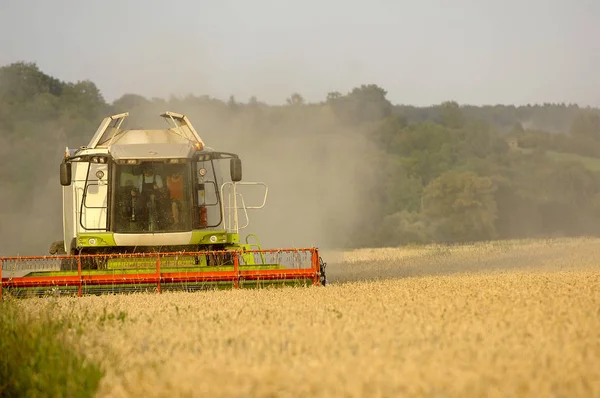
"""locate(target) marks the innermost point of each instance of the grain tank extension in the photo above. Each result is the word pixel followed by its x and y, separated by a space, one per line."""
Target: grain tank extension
pixel 156 209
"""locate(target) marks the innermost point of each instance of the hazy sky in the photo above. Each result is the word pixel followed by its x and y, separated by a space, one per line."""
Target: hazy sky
pixel 422 52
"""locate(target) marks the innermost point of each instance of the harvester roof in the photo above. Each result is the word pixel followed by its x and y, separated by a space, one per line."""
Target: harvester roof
pixel 151 151
pixel 176 141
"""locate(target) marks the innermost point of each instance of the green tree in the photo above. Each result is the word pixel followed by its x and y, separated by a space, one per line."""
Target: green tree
pixel 463 206
pixel 333 95
pixel 295 99
pixel 84 99
pixel 451 116
pixel 128 102
pixel 21 82
pixel 404 228
pixel 586 124
pixel 364 104
pixel 232 103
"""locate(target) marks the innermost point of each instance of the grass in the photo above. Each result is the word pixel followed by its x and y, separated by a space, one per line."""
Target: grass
pixel 36 361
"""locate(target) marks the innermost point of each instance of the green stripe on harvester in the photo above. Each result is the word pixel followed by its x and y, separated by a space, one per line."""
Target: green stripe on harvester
pixel 121 263
pixel 153 269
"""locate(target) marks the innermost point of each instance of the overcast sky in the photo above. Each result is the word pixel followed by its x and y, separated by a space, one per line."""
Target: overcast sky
pixel 422 51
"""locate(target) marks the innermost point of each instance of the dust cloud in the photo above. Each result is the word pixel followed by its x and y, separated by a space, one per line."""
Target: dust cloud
pixel 319 173
pixel 28 229
pixel 318 184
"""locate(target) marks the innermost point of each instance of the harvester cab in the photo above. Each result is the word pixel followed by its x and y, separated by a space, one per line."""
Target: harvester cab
pixel 154 208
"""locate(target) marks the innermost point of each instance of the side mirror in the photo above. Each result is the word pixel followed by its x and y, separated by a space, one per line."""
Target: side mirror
pixel 65 174
pixel 235 168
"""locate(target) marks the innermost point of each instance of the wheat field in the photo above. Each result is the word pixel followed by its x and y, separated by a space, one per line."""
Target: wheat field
pixel 504 319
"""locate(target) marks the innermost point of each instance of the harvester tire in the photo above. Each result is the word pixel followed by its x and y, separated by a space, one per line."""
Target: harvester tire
pixel 57 247
pixel 219 259
pixel 323 277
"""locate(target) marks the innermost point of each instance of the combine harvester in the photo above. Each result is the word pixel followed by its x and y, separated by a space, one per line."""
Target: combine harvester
pixel 149 210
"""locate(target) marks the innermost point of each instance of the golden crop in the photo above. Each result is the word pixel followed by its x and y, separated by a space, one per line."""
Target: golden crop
pixel 509 319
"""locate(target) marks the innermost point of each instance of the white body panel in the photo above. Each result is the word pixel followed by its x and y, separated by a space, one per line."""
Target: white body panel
pixel 94 196
pixel 69 217
pixel 92 216
pixel 158 239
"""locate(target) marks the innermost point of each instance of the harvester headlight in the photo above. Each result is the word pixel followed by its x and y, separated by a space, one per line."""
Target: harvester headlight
pixel 102 160
pixel 213 238
pixel 92 241
pixel 99 174
pixel 131 161
pixel 202 172
pixel 95 159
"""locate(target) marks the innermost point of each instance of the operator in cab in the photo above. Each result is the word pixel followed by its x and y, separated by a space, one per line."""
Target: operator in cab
pixel 175 186
pixel 148 187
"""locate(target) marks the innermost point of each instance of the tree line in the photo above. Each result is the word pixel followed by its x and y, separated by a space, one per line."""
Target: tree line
pixel 444 173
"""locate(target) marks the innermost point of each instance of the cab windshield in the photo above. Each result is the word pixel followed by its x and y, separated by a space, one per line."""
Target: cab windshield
pixel 153 197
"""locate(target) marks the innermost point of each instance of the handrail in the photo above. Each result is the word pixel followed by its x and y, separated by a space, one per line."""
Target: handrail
pixel 230 212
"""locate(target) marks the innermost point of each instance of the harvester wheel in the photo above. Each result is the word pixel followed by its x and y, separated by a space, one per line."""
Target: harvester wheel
pixel 57 247
pixel 323 277
pixel 219 259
